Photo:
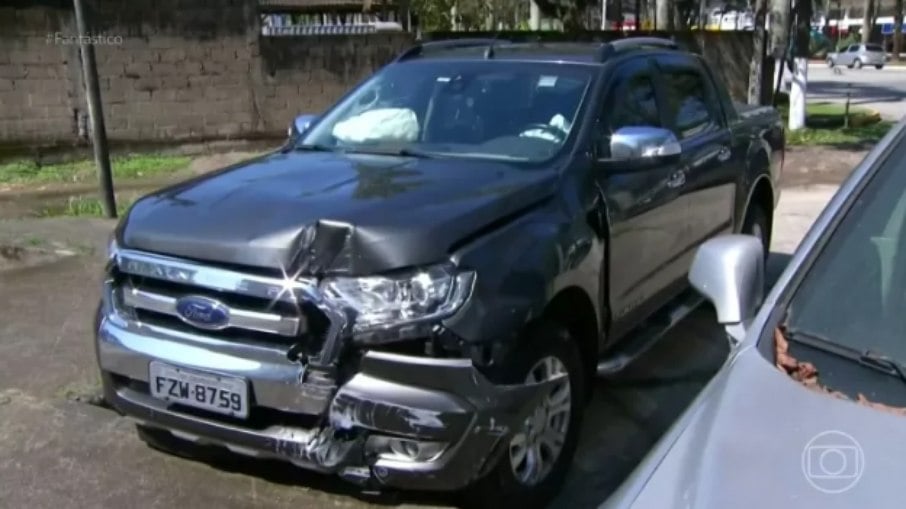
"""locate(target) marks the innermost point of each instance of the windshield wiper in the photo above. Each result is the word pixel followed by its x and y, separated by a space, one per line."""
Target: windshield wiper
pixel 868 358
pixel 314 147
pixel 884 362
pixel 405 152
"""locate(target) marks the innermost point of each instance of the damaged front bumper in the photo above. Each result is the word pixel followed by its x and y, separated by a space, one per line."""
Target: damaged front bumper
pixel 401 421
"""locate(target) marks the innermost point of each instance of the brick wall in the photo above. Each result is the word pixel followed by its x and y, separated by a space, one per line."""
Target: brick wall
pixel 181 70
pixel 171 70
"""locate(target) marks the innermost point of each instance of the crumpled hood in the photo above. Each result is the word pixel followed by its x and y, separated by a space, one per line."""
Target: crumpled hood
pixel 326 212
pixel 750 445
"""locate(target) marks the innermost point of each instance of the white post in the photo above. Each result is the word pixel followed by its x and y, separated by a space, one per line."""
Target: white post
pixel 604 14
pixel 534 16
pixel 798 93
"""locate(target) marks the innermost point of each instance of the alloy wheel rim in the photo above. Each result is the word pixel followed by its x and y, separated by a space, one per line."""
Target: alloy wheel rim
pixel 537 445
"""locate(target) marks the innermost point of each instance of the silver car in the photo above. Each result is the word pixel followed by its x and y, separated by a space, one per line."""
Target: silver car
pixel 808 410
pixel 857 55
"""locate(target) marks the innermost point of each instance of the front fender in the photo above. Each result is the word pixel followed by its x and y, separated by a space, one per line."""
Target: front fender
pixel 520 269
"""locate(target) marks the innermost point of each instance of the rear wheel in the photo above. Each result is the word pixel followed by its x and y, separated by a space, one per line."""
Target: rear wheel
pixel 537 458
pixel 857 63
pixel 879 66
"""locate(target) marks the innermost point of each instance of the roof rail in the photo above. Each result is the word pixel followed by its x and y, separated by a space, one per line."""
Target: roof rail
pixel 448 44
pixel 608 49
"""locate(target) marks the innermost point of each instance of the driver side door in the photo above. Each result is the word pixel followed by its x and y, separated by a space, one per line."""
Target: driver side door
pixel 642 203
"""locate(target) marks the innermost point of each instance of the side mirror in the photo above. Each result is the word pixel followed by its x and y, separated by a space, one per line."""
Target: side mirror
pixel 729 271
pixel 640 143
pixel 301 124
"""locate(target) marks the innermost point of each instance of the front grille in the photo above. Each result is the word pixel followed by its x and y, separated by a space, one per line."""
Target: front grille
pixel 258 308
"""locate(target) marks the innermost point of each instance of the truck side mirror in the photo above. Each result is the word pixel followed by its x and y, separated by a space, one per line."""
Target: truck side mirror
pixel 301 124
pixel 641 143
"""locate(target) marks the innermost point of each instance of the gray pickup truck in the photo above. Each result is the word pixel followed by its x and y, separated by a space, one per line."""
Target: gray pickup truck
pixel 418 289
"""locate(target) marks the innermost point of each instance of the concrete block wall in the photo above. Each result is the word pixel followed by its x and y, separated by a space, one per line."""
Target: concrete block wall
pixel 194 70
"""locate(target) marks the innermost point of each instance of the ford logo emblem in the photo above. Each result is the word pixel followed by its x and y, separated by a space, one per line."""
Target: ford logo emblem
pixel 203 312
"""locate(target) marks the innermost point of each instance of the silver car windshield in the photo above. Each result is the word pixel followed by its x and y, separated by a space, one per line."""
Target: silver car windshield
pixel 484 109
pixel 855 292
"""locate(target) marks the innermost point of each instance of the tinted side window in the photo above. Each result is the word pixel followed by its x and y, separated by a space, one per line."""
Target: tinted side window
pixel 692 109
pixel 635 104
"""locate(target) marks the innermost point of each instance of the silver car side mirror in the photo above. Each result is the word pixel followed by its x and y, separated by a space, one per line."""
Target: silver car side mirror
pixel 301 124
pixel 640 142
pixel 729 271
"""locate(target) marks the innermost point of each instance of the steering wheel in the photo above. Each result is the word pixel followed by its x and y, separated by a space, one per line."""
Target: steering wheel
pixel 558 134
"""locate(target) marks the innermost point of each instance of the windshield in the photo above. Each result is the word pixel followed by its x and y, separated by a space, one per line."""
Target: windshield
pixel 486 109
pixel 854 294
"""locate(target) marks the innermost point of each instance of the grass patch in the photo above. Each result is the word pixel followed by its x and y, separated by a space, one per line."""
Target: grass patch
pixel 864 135
pixel 824 125
pixel 133 166
pixel 86 206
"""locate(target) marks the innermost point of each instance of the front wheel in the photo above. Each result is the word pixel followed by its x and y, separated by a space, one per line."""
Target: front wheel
pixel 758 225
pixel 534 463
pixel 879 66
pixel 858 64
pixel 830 63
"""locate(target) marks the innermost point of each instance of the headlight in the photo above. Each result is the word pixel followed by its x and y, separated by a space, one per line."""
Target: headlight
pixel 389 301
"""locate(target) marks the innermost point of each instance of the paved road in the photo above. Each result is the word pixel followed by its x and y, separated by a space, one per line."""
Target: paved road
pixel 56 451
pixel 883 90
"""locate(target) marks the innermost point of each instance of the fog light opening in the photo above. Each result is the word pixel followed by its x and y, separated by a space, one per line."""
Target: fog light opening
pixel 403 449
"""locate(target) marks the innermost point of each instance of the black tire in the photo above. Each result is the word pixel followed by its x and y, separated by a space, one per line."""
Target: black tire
pixel 879 66
pixel 758 225
pixel 857 63
pixel 501 487
pixel 830 63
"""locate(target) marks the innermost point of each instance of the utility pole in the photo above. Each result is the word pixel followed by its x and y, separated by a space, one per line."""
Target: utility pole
pixel 96 113
pixel 799 88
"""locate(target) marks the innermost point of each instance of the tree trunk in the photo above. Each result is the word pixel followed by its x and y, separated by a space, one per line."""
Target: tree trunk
pixel 662 14
pixel 780 36
pixel 756 67
pixel 799 88
pixel 867 17
pixel 897 29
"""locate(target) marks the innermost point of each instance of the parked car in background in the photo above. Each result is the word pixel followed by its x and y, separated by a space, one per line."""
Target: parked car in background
pixel 810 408
pixel 418 289
pixel 858 55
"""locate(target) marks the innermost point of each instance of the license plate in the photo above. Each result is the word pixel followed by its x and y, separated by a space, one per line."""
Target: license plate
pixel 208 391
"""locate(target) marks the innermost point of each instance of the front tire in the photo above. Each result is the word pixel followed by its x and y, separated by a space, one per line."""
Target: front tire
pixel 758 225
pixel 535 462
pixel 879 66
pixel 857 64
pixel 830 63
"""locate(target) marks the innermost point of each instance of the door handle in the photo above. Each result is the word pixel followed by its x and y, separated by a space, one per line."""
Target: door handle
pixel 723 154
pixel 677 179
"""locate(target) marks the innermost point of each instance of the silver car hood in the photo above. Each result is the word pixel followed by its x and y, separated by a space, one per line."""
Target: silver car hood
pixel 747 442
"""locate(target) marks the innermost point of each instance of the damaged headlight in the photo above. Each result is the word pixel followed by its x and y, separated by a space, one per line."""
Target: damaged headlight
pixel 393 300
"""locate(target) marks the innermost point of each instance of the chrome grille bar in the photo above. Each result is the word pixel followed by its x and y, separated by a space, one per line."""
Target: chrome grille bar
pixel 238 318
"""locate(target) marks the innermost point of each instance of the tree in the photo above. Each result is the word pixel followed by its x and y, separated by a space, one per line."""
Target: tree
pixel 867 18
pixel 756 67
pixel 798 90
pixel 897 29
pixel 570 12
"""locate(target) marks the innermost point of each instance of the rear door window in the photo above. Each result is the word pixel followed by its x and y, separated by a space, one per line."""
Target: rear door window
pixel 692 105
